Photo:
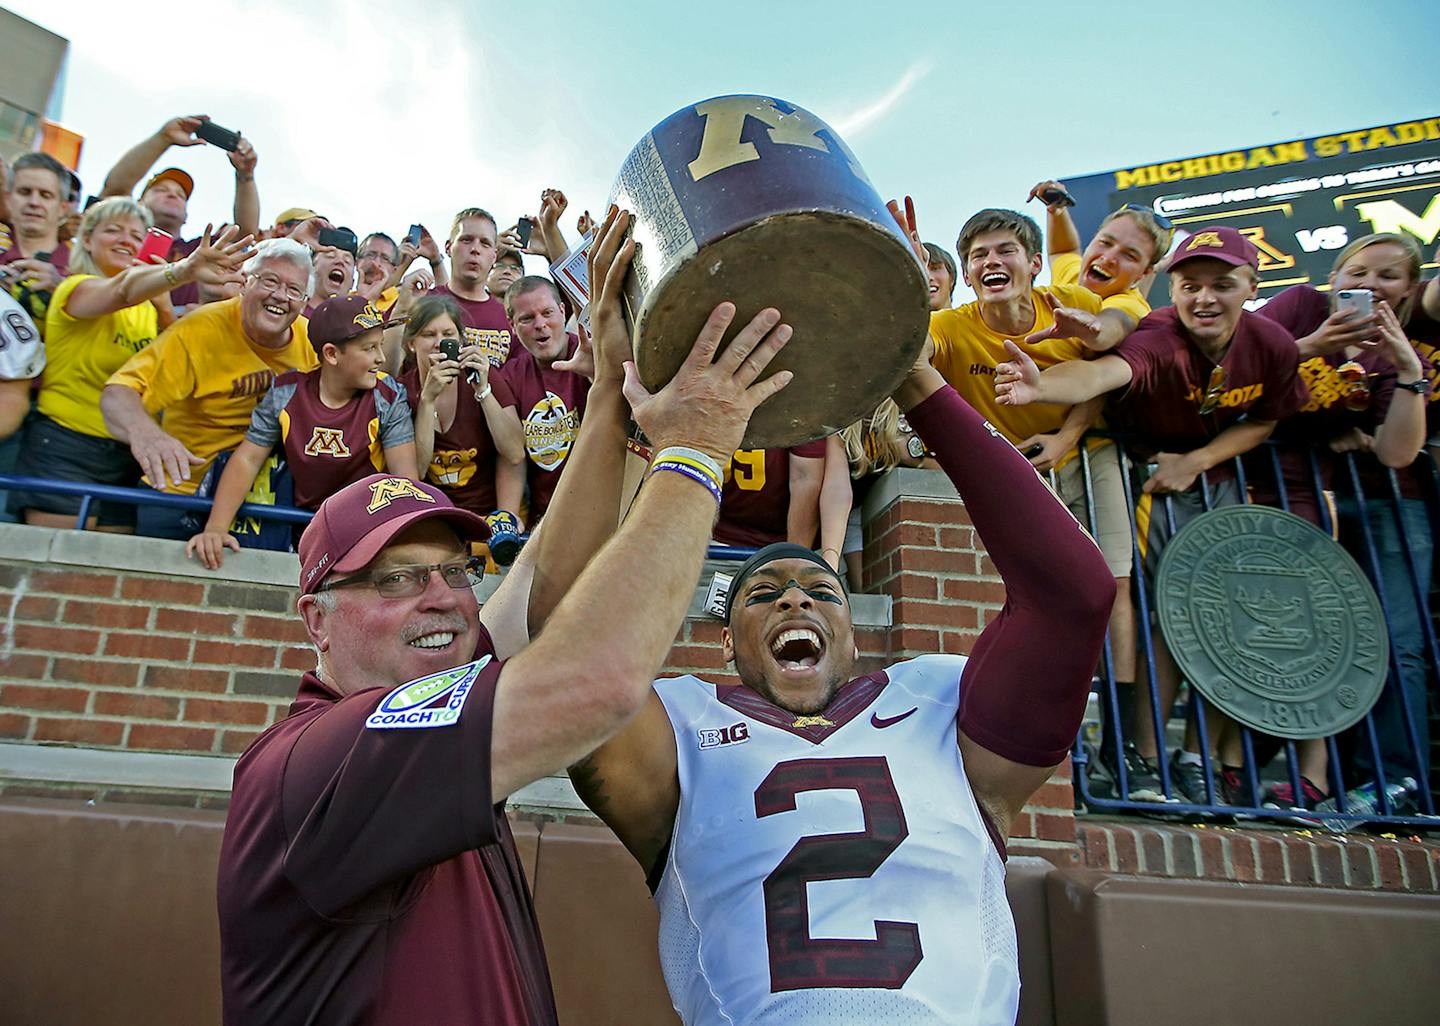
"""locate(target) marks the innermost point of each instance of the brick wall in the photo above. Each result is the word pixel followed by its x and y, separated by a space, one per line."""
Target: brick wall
pixel 121 645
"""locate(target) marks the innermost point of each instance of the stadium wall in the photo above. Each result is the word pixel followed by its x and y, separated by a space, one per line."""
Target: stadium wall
pixel 129 674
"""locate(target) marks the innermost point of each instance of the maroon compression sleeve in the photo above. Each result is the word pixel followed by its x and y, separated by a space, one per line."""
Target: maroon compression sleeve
pixel 1024 689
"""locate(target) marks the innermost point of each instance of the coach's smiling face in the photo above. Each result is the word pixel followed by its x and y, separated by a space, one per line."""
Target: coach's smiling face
pixel 790 635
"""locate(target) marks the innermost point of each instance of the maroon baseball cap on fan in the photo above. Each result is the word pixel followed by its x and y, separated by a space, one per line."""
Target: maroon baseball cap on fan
pixel 359 520
pixel 1218 242
pixel 341 319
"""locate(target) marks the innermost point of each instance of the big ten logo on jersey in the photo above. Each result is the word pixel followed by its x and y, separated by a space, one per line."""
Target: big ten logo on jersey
pixel 550 429
pixel 735 734
pixel 747 469
pixel 721 145
pixel 452 468
pixel 325 441
pixel 495 344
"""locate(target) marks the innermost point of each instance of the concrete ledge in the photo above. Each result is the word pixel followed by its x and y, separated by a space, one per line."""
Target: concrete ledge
pixel 908 482
pixel 126 552
pixel 65 764
pixel 96 549
pixel 70 765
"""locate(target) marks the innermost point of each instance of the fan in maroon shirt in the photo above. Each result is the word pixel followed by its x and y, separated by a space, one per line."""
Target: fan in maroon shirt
pixel 461 440
pixel 472 249
pixel 549 401
pixel 33 260
pixel 1203 382
pixel 1351 389
pixel 760 495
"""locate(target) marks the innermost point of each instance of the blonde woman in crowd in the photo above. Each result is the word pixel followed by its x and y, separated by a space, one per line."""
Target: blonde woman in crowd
pixel 107 310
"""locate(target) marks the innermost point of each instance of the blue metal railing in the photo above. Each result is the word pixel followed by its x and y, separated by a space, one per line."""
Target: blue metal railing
pixel 1248 804
pixel 90 493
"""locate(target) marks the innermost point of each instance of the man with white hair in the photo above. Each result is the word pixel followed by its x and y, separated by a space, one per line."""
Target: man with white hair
pixel 206 373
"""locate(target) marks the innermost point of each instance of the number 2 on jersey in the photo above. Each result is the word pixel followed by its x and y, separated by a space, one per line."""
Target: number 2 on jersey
pixel 797 960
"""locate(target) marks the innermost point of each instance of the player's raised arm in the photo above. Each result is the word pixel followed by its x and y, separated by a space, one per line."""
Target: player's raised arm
pixel 1024 688
pixel 589 670
pixel 585 508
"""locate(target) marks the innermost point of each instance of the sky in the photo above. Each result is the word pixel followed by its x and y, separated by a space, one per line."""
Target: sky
pixel 383 115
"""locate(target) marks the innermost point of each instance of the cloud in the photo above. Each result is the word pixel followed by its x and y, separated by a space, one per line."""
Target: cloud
pixel 857 121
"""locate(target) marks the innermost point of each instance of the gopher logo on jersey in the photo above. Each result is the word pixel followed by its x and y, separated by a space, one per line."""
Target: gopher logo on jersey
pixel 550 429
pixel 452 468
pixel 327 442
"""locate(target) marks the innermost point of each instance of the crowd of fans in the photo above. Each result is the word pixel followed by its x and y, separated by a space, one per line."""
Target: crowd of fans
pixel 280 362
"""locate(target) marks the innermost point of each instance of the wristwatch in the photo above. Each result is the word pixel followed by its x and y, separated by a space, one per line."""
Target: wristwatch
pixel 1418 387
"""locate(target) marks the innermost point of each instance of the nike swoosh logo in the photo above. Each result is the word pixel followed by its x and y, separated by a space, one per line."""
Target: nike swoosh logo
pixel 881 722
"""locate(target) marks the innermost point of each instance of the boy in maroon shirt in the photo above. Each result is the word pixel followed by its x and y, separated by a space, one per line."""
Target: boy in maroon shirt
pixel 1203 382
pixel 549 399
pixel 472 249
pixel 337 424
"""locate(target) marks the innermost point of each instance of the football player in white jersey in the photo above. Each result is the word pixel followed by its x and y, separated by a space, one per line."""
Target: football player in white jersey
pixel 829 848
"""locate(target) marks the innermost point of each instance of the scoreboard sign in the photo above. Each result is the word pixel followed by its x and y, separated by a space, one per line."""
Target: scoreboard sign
pixel 1299 202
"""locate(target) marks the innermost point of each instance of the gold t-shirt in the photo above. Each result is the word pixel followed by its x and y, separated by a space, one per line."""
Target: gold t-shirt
pixel 204 377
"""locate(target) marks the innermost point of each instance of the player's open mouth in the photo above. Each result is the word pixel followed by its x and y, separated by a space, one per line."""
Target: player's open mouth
pixel 797 648
pixel 995 280
pixel 1098 275
pixel 437 639
pixel 336 276
pixel 934 288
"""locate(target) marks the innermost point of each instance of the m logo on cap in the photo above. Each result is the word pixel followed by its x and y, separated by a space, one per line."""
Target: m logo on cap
pixel 368 318
pixel 386 491
pixel 1204 239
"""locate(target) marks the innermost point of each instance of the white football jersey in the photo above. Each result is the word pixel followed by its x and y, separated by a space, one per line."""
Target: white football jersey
pixel 832 869
pixel 21 354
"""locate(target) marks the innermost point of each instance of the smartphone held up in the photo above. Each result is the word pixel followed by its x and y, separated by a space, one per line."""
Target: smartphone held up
pixel 217 136
pixel 1360 300
pixel 157 244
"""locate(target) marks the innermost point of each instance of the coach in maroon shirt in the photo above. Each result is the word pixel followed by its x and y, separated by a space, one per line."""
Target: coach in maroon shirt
pixel 1203 381
pixel 368 875
pixel 549 399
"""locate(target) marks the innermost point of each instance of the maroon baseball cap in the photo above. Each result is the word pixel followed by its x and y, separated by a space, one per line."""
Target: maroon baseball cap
pixel 1218 242
pixel 341 319
pixel 359 520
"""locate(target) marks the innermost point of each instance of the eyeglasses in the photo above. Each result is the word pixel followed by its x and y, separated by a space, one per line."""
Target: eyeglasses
pixel 1214 390
pixel 377 255
pixel 270 283
pixel 1159 218
pixel 412 579
pixel 1355 384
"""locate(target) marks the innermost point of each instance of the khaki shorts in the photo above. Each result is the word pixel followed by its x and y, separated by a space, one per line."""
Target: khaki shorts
pixel 1111 528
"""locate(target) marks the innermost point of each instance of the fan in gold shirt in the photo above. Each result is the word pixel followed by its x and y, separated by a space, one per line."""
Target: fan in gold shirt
pixel 205 375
